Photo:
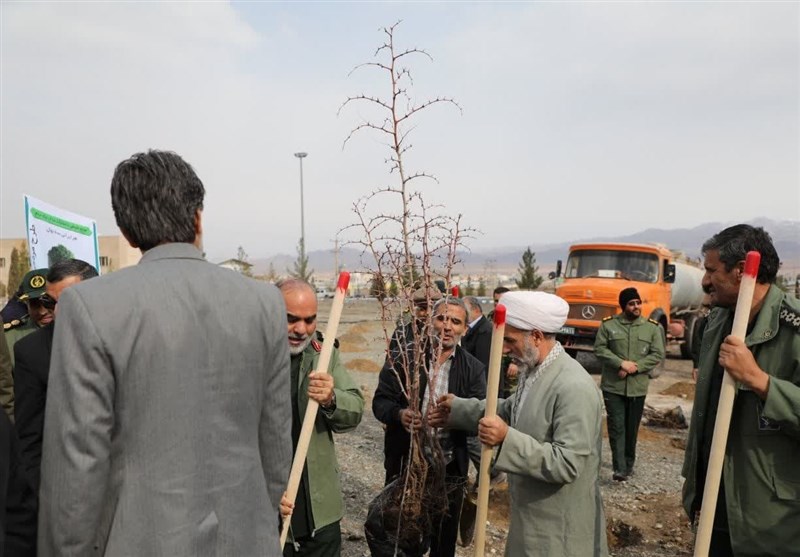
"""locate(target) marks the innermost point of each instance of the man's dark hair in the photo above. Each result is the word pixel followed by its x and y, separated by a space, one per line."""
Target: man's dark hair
pixel 70 268
pixel 734 242
pixel 501 290
pixel 155 197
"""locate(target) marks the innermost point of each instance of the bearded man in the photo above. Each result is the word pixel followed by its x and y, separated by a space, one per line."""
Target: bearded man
pixel 318 507
pixel 547 435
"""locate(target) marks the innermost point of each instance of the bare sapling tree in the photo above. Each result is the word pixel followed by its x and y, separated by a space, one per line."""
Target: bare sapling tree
pixel 412 245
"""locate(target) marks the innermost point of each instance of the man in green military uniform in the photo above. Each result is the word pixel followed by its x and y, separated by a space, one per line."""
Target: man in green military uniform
pixel 758 506
pixel 318 508
pixel 628 346
pixel 32 287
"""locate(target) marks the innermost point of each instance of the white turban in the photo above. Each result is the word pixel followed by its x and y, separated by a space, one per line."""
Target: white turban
pixel 527 311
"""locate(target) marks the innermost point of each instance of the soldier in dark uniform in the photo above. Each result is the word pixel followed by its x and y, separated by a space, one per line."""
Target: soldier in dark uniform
pixel 31 289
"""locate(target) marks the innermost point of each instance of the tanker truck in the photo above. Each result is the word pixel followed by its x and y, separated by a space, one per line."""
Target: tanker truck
pixel 596 273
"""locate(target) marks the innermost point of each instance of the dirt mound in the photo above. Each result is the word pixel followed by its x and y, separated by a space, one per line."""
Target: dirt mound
pixel 352 342
pixel 363 364
pixel 683 389
pixel 622 534
pixel 361 329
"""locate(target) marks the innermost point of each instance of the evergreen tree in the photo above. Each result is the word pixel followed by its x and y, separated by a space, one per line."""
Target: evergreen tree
pixel 242 256
pixel 18 266
pixel 481 287
pixel 301 270
pixel 24 260
pixel 469 290
pixel 529 277
pixel 14 277
pixel 377 287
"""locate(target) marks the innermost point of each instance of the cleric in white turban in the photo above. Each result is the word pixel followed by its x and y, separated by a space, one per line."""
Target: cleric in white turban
pixel 547 435
pixel 528 311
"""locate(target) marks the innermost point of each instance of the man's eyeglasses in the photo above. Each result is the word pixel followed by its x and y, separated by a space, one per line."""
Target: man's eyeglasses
pixel 47 301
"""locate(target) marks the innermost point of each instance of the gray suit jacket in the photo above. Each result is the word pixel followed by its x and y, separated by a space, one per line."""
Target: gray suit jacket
pixel 165 425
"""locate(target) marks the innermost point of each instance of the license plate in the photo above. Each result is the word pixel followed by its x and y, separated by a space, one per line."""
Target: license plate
pixel 567 330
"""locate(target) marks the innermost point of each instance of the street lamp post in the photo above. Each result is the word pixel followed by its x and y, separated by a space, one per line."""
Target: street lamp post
pixel 301 156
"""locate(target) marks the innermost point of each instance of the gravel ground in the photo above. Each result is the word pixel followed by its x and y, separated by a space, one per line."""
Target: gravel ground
pixel 644 514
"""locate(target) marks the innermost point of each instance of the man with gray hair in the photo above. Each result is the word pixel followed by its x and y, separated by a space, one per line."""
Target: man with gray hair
pixel 447 368
pixel 548 435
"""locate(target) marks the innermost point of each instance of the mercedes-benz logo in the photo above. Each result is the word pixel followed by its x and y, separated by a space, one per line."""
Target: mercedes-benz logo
pixel 588 312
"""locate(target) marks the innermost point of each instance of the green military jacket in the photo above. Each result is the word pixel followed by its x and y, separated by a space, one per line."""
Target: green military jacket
pixel 760 470
pixel 13 332
pixel 640 341
pixel 322 467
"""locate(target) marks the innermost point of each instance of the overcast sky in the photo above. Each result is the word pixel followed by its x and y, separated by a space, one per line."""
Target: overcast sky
pixel 579 119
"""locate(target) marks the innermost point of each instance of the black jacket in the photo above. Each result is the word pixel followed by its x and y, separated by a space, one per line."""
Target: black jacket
pixel 467 379
pixel 478 340
pixel 31 368
pixel 17 503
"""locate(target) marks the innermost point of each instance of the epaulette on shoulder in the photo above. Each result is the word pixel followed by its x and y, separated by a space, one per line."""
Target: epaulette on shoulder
pixel 654 322
pixel 13 324
pixel 317 343
pixel 789 317
pixel 607 318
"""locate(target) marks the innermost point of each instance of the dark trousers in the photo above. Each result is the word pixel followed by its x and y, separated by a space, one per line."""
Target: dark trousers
pixel 326 542
pixel 443 539
pixel 720 545
pixel 624 415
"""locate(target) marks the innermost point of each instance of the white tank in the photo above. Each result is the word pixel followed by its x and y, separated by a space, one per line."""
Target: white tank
pixel 687 290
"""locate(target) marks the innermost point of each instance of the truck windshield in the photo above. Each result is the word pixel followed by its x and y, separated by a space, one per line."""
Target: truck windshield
pixel 626 265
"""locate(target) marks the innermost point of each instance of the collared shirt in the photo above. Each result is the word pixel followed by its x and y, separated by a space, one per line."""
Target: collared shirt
pixel 472 324
pixel 529 378
pixel 438 387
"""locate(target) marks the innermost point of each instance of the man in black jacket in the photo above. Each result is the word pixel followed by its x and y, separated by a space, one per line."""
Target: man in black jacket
pixel 32 365
pixel 17 506
pixel 447 369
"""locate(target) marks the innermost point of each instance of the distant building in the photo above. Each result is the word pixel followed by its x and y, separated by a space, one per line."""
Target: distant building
pixel 115 254
pixel 237 265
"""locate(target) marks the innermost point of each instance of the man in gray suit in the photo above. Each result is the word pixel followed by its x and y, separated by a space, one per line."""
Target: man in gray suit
pixel 165 425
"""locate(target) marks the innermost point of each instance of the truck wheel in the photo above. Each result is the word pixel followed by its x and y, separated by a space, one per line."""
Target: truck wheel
pixel 688 337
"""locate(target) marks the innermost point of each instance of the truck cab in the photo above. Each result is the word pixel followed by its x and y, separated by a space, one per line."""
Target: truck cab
pixel 594 276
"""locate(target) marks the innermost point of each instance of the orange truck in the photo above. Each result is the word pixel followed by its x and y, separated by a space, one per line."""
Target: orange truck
pixel 595 274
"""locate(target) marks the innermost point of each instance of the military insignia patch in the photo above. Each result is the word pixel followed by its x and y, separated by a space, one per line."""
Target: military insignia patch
pixel 789 317
pixel 37 281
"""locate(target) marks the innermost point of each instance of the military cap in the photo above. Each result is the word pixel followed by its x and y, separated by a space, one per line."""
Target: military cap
pixel 33 284
pixel 420 296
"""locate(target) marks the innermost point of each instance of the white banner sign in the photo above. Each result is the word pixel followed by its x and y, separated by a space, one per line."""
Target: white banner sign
pixel 55 234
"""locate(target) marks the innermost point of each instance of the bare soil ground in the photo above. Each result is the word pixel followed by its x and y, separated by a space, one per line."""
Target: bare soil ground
pixel 644 514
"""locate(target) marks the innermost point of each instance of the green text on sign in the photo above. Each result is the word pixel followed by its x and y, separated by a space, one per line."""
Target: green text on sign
pixel 62 223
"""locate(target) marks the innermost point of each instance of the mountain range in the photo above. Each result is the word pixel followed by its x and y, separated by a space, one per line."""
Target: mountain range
pixel 785 235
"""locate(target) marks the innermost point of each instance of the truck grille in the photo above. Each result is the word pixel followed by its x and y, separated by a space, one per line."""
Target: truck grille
pixel 590 312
